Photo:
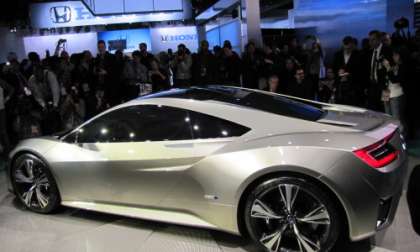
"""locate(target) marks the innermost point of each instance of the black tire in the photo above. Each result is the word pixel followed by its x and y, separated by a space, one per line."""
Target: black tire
pixel 44 197
pixel 294 224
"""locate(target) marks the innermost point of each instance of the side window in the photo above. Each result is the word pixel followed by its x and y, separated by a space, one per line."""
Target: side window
pixel 138 124
pixel 162 123
pixel 108 128
pixel 206 126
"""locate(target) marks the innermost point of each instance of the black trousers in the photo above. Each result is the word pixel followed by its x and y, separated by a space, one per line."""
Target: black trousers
pixel 4 137
pixel 413 199
pixel 374 96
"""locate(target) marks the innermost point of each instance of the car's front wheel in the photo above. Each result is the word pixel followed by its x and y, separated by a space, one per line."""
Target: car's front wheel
pixel 34 184
pixel 291 214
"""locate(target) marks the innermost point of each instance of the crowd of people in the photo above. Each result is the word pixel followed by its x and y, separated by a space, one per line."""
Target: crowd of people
pixel 43 96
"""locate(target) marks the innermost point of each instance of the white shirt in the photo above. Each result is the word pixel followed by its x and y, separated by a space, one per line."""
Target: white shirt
pixel 377 53
pixel 395 90
pixel 346 57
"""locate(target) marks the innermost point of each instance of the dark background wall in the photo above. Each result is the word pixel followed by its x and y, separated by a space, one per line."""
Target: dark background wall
pixel 334 19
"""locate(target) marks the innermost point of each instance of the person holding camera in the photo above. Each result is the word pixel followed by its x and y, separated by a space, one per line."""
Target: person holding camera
pixel 393 95
pixel 45 89
pixel 377 70
pixel 182 65
pixel 73 109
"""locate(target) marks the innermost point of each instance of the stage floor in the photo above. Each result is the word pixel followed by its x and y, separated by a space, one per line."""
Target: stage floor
pixel 83 231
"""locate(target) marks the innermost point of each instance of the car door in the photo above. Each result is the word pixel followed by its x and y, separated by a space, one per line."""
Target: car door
pixel 137 155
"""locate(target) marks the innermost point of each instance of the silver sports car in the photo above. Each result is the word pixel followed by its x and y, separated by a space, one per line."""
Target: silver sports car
pixel 291 174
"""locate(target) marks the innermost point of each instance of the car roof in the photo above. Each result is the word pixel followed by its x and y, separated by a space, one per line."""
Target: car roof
pixel 243 98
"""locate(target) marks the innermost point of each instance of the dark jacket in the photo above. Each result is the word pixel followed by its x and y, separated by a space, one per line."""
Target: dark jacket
pixel 204 68
pixel 303 90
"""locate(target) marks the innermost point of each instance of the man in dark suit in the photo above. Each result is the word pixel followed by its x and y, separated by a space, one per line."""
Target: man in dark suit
pixel 204 65
pixel 105 74
pixel 348 60
pixel 146 57
pixel 377 70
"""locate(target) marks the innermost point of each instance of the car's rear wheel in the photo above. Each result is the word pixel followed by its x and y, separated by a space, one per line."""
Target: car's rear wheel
pixel 34 184
pixel 291 214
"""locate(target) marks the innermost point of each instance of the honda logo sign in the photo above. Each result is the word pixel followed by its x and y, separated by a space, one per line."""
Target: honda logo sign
pixel 60 14
pixel 75 13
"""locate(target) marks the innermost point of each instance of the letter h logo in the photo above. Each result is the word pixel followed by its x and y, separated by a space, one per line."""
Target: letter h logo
pixel 60 14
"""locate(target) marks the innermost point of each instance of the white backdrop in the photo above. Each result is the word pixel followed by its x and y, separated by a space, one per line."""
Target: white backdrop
pixel 76 43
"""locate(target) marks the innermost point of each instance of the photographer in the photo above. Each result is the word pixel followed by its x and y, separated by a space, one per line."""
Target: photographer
pixel 182 65
pixel 45 89
pixel 73 109
pixel 401 37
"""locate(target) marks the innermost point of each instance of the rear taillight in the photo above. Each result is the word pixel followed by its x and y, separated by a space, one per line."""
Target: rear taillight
pixel 379 154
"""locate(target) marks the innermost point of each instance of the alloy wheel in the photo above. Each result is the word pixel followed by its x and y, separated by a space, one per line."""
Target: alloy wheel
pixel 32 183
pixel 288 217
